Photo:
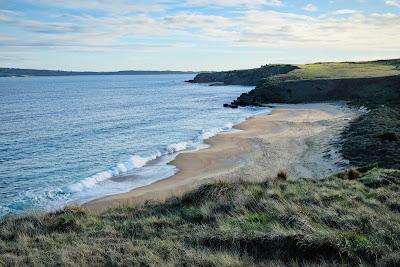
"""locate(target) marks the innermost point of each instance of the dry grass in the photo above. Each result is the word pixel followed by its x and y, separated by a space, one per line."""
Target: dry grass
pixel 296 223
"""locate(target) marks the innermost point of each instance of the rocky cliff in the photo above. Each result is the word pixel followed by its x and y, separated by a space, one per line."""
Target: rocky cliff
pixel 243 77
pixel 376 89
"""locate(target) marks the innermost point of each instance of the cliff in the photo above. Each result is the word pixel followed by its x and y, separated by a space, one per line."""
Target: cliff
pixel 242 77
pixel 375 89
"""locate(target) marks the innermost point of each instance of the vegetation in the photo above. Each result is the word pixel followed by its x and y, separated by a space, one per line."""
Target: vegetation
pixel 374 138
pixel 11 72
pixel 283 175
pixel 341 70
pixel 243 77
pixel 377 81
pixel 334 221
pixel 349 219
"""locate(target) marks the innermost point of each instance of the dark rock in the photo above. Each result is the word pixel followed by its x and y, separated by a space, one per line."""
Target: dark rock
pixel 358 90
pixel 217 84
pixel 242 77
pixel 233 105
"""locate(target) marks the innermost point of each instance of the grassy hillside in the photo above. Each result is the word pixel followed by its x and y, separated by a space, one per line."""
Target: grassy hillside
pixel 242 77
pixel 362 82
pixel 349 219
pixel 374 138
pixel 341 70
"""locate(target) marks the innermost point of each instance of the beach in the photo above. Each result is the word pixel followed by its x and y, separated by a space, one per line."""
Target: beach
pixel 298 139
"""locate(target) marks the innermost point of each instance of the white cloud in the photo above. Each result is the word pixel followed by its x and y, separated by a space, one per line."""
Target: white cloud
pixel 236 2
pixel 107 6
pixel 395 3
pixel 310 8
pixel 345 11
pixel 251 29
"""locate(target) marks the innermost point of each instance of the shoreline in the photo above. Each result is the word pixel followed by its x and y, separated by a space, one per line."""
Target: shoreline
pixel 295 138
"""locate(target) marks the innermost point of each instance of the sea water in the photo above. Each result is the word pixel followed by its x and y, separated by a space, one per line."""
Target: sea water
pixel 73 139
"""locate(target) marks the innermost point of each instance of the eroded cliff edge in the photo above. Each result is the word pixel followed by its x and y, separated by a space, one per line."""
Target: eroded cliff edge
pixel 243 77
pixel 372 89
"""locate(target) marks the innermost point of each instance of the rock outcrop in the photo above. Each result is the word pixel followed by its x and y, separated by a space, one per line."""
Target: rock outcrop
pixel 379 89
pixel 242 77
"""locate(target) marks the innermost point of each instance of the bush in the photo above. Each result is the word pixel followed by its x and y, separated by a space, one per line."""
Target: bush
pixel 282 175
pixel 353 174
pixel 388 136
pixel 302 222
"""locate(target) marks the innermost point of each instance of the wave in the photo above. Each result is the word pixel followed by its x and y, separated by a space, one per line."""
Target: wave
pixel 173 148
pixel 137 161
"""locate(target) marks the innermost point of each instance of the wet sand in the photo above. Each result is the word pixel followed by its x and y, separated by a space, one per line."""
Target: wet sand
pixel 299 139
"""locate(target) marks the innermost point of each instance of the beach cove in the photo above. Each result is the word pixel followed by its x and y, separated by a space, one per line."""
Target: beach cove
pixel 298 139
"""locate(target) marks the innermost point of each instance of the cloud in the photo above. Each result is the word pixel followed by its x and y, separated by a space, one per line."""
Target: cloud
pixel 236 2
pixel 113 7
pixel 395 3
pixel 249 28
pixel 7 15
pixel 345 11
pixel 310 8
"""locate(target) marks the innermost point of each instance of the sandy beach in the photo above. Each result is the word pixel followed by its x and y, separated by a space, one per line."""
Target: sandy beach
pixel 299 139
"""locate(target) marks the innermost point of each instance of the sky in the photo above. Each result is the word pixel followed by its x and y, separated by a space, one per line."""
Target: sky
pixel 194 34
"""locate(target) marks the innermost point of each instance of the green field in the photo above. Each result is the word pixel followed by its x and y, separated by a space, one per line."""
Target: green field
pixel 341 70
pixel 349 219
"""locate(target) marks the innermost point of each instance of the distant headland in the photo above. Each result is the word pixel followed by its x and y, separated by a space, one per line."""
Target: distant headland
pixel 16 72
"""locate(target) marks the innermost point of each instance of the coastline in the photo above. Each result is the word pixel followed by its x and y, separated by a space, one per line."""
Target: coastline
pixel 294 138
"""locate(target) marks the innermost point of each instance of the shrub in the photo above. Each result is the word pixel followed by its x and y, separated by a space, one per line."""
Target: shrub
pixel 303 222
pixel 353 174
pixel 388 136
pixel 282 175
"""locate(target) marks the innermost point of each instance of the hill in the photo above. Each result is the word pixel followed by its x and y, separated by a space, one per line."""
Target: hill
pixel 348 219
pixel 377 81
pixel 11 72
pixel 242 77
pixel 272 223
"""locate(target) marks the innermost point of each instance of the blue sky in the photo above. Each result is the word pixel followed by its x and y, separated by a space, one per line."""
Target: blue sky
pixel 194 34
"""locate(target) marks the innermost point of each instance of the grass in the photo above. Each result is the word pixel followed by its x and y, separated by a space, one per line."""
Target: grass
pixel 373 138
pixel 274 223
pixel 338 71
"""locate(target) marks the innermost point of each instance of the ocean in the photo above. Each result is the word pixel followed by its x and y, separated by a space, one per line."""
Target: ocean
pixel 71 139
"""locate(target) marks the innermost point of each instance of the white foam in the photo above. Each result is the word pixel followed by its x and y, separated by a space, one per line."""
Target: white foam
pixel 137 162
pixel 214 131
pixel 134 162
pixel 173 148
pixel 89 182
pixel 122 168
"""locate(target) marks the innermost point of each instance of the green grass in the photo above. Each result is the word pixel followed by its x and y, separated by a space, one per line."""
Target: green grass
pixel 374 137
pixel 275 222
pixel 338 70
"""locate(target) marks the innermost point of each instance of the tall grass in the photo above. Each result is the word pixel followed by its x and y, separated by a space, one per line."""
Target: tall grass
pixel 303 222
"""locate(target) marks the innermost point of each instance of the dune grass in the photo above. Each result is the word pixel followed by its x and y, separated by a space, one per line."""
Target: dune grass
pixel 276 222
pixel 338 71
pixel 374 138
